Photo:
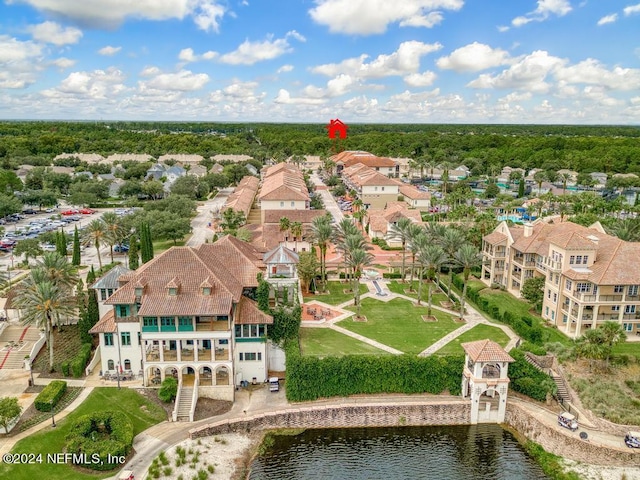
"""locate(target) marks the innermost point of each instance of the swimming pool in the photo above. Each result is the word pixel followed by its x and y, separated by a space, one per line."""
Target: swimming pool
pixel 513 218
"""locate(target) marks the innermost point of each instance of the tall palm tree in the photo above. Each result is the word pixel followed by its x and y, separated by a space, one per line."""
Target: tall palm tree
pixel 419 241
pixel 467 257
pixel 115 231
pixel 42 303
pixel 539 177
pixel 56 269
pixel 400 231
pixel 285 225
pixel 565 177
pixel 417 235
pixel 296 231
pixel 96 234
pixel 343 229
pixel 451 241
pixel 432 257
pixel 358 260
pixel 322 232
pixel 352 242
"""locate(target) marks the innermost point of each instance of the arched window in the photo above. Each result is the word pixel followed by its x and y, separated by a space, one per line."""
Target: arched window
pixel 110 365
pixel 127 364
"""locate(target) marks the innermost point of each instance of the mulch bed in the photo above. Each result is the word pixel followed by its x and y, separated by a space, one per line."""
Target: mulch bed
pixel 208 407
pixel 151 394
pixel 347 291
pixel 459 320
pixel 446 305
pixel 429 318
pixel 361 318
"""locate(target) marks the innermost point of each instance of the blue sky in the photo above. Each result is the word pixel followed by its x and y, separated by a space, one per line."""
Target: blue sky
pixel 409 61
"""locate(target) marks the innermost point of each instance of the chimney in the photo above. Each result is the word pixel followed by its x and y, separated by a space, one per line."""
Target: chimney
pixel 528 229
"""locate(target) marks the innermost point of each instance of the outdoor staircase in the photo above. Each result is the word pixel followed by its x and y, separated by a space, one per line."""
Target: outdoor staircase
pixel 17 342
pixel 563 393
pixel 184 404
pixel 530 359
pixel 254 217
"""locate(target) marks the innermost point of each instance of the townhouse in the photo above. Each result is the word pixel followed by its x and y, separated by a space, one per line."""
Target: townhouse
pixel 382 165
pixel 374 189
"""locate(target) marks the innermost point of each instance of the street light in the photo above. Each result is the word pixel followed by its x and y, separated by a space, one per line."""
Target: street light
pixel 53 420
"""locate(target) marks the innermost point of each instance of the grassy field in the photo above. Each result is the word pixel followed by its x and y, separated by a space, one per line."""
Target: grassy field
pixel 324 342
pixel 628 348
pixel 479 332
pixel 140 411
pixel 336 294
pixel 437 295
pixel 399 324
pixel 160 246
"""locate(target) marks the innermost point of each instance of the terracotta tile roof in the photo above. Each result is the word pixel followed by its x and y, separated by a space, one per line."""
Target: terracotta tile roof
pixel 181 157
pixel 250 314
pixel 495 238
pixel 283 182
pixel 379 220
pixel 243 195
pixel 231 158
pixel 486 351
pixel 269 235
pixel 413 193
pixel 242 260
pixel 351 157
pixel 302 216
pixel 572 241
pixel 368 177
pixel 106 324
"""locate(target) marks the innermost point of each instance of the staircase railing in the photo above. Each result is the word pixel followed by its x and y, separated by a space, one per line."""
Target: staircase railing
pixel 177 402
pixel 194 399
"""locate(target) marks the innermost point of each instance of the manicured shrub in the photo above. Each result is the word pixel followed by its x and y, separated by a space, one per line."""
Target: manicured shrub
pixel 391 275
pixel 105 435
pixel 65 368
pixel 80 361
pixel 50 395
pixel 527 379
pixel 168 389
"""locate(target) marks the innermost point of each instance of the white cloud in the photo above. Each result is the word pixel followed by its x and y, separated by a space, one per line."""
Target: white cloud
pixel 285 69
pixel 631 9
pixel 98 84
pixel 473 58
pixel 63 63
pixel 405 60
pixel 187 55
pixel 109 51
pixel 19 62
pixel 544 10
pixel 366 17
pixel 503 28
pixel 181 81
pixel 13 50
pixel 608 19
pixel 528 74
pixel 285 97
pixel 249 53
pixel 51 32
pixel 592 72
pixel 109 14
pixel 424 79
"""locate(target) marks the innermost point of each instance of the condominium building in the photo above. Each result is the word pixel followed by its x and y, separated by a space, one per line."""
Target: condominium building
pixel 590 277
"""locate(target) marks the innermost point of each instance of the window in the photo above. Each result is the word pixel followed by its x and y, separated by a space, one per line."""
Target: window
pixel 282 204
pixel 548 293
pixel 555 297
pixel 375 189
pixel 251 356
pixel 546 311
pixel 382 188
pixel 568 285
pixel 108 339
pixel 564 318
pixel 618 289
pixel 149 321
pixel 583 287
pixel 628 327
pixel 578 259
pixel 293 204
pixel 632 291
pixel 630 309
pixel 615 308
pixel 167 321
pixel 109 292
pixel 572 259
pixel 127 364
pixel 184 321
pixel 103 294
pixel 122 311
pixel 110 365
pixel 173 291
pixel 585 259
pixel 138 291
pixel 206 290
pixel 126 339
pixel 553 315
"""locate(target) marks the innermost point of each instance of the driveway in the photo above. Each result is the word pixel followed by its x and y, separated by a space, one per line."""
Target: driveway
pixel 329 202
pixel 200 224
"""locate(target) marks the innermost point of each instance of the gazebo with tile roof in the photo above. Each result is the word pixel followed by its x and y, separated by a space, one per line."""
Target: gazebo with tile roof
pixel 485 381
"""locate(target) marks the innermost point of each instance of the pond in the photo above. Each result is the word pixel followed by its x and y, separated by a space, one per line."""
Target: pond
pixel 442 453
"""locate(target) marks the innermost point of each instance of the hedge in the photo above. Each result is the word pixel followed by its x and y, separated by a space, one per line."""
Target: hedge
pixel 168 390
pixel 310 378
pixel 105 435
pixel 528 380
pixel 80 360
pixel 50 395
pixel 391 275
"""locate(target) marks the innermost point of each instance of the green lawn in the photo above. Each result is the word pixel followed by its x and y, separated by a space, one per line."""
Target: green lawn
pixel 437 295
pixel 399 324
pixel 627 348
pixel 337 295
pixel 323 342
pixel 479 332
pixel 160 246
pixel 142 413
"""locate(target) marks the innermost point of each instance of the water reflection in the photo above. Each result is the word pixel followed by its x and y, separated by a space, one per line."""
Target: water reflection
pixel 443 453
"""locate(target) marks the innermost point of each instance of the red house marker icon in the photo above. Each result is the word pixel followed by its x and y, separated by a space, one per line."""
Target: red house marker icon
pixel 337 127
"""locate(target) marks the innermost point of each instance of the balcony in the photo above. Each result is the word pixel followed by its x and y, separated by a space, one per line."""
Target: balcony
pixel 608 316
pixel 221 354
pixel 529 263
pixel 500 253
pixel 517 274
pixel 518 260
pixel 213 326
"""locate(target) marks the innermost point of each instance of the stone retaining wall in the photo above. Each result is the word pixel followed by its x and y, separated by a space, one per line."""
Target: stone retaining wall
pixel 337 416
pixel 567 445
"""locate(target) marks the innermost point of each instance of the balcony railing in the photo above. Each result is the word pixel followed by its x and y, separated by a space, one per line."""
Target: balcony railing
pixel 216 326
pixel 608 316
pixel 517 274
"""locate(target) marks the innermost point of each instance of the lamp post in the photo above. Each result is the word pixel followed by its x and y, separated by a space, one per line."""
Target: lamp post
pixel 53 420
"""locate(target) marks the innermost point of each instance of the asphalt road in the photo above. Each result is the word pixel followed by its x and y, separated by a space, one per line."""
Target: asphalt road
pixel 200 224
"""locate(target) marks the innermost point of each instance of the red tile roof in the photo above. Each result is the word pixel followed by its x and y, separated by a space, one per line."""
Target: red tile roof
pixel 486 351
pixel 106 324
pixel 250 314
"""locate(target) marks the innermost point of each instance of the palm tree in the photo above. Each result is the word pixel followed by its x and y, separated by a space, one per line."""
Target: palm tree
pixel 451 241
pixel 400 231
pixel 539 177
pixel 285 225
pixel 467 257
pixel 114 230
pixel 627 229
pixel 56 269
pixel 417 235
pixel 42 303
pixel 613 333
pixel 322 232
pixel 358 260
pixel 432 257
pixel 95 234
pixel 296 231
pixel 343 229
pixel 565 177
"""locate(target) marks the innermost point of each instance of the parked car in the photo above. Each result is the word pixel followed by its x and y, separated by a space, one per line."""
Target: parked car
pixel 632 439
pixel 70 211
pixel 47 247
pixel 87 211
pixel 567 420
pixel 124 248
pixel 29 211
pixel 50 210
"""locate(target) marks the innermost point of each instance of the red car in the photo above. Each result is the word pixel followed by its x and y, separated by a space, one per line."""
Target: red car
pixel 86 211
pixel 71 211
